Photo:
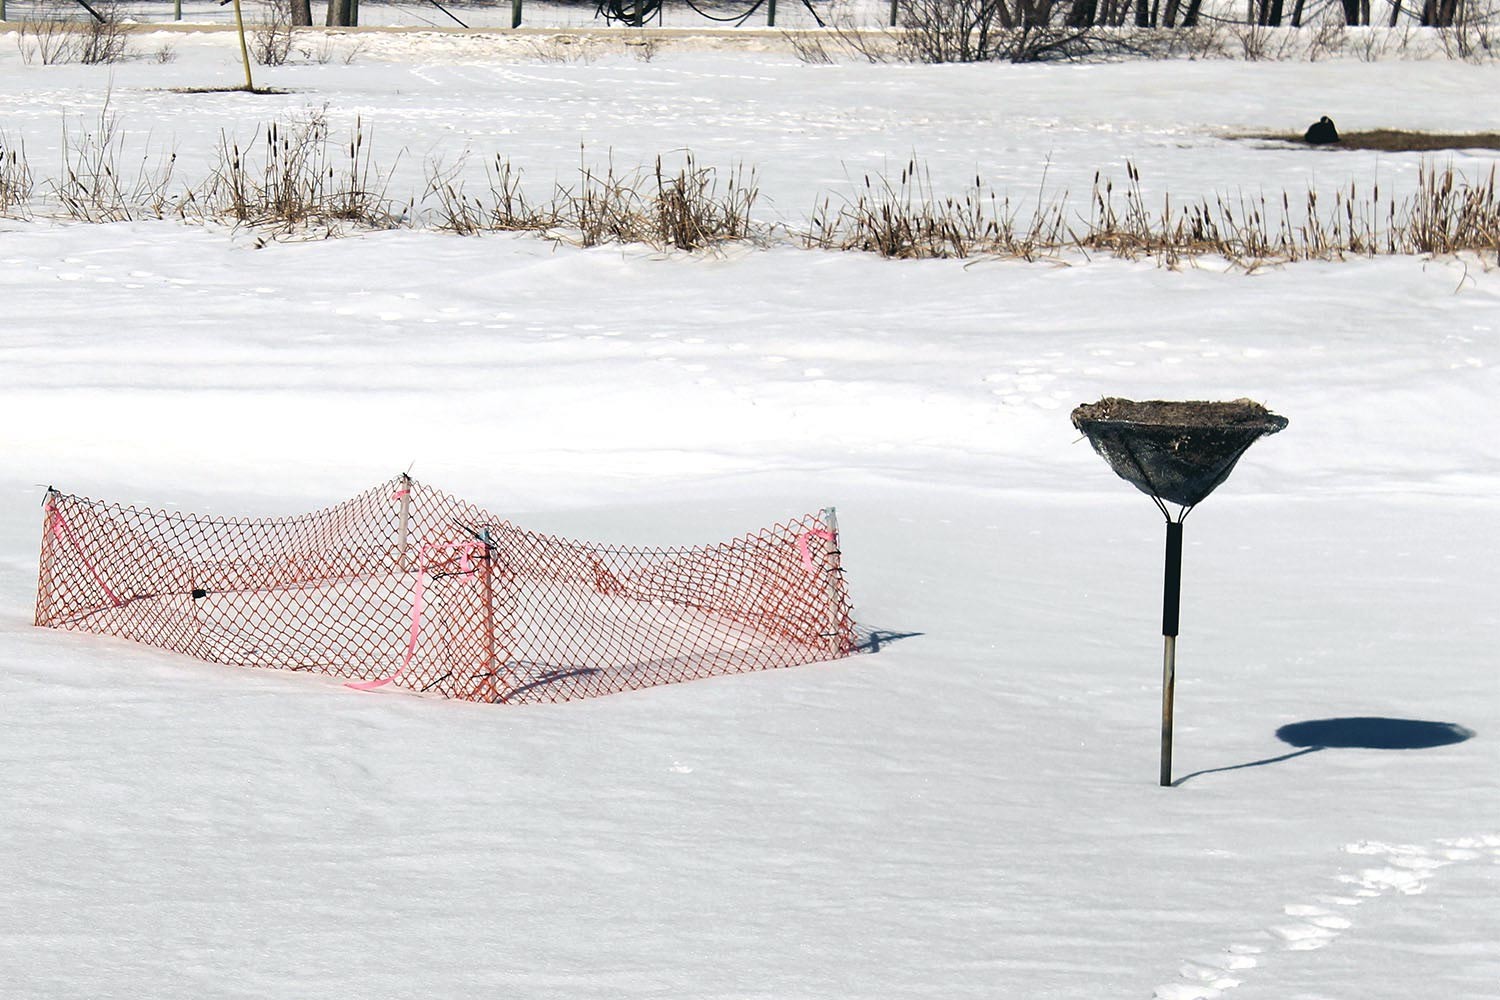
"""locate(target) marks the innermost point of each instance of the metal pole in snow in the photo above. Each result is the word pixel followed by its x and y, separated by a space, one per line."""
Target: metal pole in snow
pixel 1171 602
pixel 405 521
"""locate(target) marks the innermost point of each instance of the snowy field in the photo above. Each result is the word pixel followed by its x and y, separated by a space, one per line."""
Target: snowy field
pixel 970 810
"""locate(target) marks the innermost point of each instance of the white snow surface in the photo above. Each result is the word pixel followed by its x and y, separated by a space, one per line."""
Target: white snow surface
pixel 969 810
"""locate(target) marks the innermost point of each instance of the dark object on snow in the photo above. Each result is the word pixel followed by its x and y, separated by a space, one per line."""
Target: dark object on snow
pixel 1373 733
pixel 1174 453
pixel 1321 132
pixel 1178 452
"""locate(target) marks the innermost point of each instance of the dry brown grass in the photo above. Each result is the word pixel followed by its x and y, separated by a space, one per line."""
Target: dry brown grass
pixel 903 218
pixel 294 176
pixel 105 180
pixel 691 207
pixel 15 176
pixel 1395 141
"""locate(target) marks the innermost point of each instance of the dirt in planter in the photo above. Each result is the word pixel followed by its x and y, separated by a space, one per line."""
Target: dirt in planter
pixel 1177 452
pixel 1188 413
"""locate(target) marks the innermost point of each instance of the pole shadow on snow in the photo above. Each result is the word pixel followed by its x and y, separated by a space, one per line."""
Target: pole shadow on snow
pixel 1365 733
pixel 870 640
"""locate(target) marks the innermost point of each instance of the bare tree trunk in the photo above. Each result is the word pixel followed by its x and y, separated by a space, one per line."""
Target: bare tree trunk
pixel 1297 14
pixel 1395 12
pixel 1169 16
pixel 1190 16
pixel 1082 13
pixel 339 11
pixel 301 13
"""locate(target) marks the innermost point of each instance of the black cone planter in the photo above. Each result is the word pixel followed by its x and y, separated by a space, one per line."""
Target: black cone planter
pixel 1174 452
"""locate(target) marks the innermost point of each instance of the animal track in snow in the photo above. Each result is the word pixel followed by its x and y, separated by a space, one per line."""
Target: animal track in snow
pixel 1391 869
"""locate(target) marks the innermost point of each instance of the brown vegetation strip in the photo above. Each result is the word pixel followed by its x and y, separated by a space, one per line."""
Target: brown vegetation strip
pixel 1395 141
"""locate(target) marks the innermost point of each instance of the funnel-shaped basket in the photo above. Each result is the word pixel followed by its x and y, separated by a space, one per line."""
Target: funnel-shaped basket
pixel 1174 451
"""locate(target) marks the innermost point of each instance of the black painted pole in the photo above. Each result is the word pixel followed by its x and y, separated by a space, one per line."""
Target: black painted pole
pixel 1171 601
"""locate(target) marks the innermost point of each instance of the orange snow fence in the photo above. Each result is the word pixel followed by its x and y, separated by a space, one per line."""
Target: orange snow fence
pixel 406 586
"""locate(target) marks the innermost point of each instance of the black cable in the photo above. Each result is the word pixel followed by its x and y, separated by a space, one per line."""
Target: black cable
pixel 628 11
pixel 737 19
pixel 445 10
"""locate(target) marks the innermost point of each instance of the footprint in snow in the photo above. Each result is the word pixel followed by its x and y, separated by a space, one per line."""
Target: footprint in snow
pixel 1395 870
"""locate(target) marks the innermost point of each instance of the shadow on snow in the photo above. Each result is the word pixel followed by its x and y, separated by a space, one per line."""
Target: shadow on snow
pixel 1366 733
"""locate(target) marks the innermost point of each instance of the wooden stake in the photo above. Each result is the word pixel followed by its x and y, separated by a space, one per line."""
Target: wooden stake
pixel 1170 604
pixel 405 529
pixel 489 604
pixel 239 24
pixel 1168 686
pixel 835 602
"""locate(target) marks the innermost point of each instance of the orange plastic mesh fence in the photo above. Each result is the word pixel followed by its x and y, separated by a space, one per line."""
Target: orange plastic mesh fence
pixel 406 585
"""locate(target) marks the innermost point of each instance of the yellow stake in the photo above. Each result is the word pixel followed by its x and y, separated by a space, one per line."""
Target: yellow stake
pixel 239 23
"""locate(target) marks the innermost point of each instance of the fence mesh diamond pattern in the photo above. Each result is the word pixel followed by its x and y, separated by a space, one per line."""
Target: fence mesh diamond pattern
pixel 406 585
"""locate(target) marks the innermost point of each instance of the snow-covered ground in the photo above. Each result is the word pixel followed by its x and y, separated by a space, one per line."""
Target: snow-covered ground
pixel 969 812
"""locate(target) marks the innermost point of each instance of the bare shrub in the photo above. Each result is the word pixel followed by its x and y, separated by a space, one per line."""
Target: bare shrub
pixel 1474 35
pixel 1257 42
pixel 15 176
pixel 873 46
pixel 693 213
pixel 271 33
pixel 960 31
pixel 604 206
pixel 166 54
pixel 690 208
pixel 103 181
pixel 506 210
pixel 564 49
pixel 906 219
pixel 296 176
pixel 48 36
pixel 1449 215
pixel 645 48
pixel 103 39
pixel 808 48
pixel 951 31
pixel 343 48
pixel 1325 40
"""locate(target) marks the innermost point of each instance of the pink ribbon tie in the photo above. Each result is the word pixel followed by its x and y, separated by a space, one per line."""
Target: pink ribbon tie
pixel 807 562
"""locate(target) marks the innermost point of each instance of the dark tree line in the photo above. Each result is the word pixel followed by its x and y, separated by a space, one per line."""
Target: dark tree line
pixel 1009 15
pixel 1187 13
